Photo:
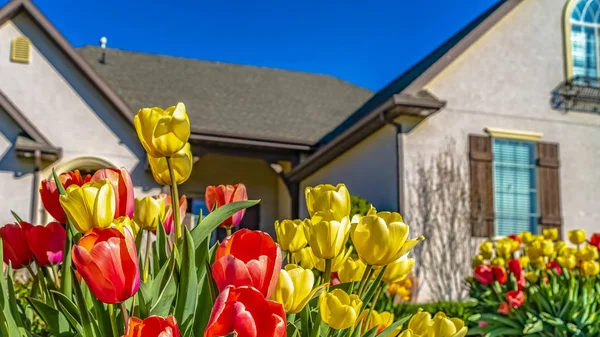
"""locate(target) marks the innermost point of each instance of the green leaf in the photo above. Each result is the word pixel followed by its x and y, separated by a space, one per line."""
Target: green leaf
pixel 164 289
pixel 373 287
pixel 493 318
pixel 217 217
pixel 203 306
pixel 84 314
pixel 371 333
pixel 55 320
pixel 12 299
pixel 305 320
pixel 388 331
pixel 161 244
pixel 7 320
pixel 188 283
pixel 16 216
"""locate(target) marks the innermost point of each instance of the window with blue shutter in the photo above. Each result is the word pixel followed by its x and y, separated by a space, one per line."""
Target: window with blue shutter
pixel 515 187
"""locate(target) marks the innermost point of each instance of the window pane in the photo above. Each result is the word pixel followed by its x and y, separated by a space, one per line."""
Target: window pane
pixel 515 195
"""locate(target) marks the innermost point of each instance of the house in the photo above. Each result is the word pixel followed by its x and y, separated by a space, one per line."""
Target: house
pixel 516 90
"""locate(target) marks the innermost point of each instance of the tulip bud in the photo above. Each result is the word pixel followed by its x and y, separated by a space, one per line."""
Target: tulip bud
pixel 526 237
pixel 294 288
pixel 504 308
pixel 595 240
pixel 352 270
pixel 217 196
pixel 486 248
pixel 498 261
pixel 338 309
pixel 152 326
pixel 290 234
pixel 375 319
pixel 328 198
pixel 326 235
pixel 124 221
pixel 420 322
pixel 587 253
pixel 532 277
pixel 590 268
pixel 478 260
pixel 162 132
pixel 547 248
pixel 515 298
pixel 182 162
pixel 398 270
pixel 408 333
pixel 550 234
pixel 148 212
pixel 568 261
pixel 387 232
pixel 14 245
pixel 484 275
pixel 443 326
pixel 524 261
pixel 500 274
pixel 91 205
pixel 305 258
pixel 577 236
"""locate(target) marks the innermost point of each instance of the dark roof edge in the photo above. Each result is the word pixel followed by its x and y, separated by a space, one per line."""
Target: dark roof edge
pixel 250 142
pixel 389 110
pixel 200 133
pixel 14 7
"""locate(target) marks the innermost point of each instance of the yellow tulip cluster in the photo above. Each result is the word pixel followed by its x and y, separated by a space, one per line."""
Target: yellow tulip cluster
pixel 379 244
pixel 422 325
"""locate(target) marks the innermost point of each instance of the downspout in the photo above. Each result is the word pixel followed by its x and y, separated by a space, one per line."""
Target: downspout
pixel 399 160
pixel 37 156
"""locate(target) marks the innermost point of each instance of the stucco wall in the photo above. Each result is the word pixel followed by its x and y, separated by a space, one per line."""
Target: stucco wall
pixel 505 80
pixel 260 180
pixel 368 170
pixel 66 108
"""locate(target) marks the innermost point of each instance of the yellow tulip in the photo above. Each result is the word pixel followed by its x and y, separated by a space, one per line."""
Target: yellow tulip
pixel 587 253
pixel 526 237
pixel 550 234
pixel 294 288
pixel 351 270
pixel 398 270
pixel 326 235
pixel 534 250
pixel 408 333
pixel 336 262
pixel 532 276
pixel 547 248
pixel 524 261
pixel 590 268
pixel 124 221
pixel 478 260
pixel 91 205
pixel 568 261
pixel 290 235
pixel 506 246
pixel 182 161
pixel 338 309
pixel 375 319
pixel 486 248
pixel 498 261
pixel 560 246
pixel 420 322
pixel 162 132
pixel 539 263
pixel 328 198
pixel 577 236
pixel 443 326
pixel 305 258
pixel 148 211
pixel 381 238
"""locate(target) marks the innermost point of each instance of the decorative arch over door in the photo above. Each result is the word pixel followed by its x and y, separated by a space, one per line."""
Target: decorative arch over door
pixel 581 20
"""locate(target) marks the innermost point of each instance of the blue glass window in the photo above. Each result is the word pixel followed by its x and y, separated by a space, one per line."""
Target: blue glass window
pixel 585 38
pixel 515 187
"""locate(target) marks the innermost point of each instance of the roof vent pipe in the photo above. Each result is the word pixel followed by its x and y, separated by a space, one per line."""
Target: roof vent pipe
pixel 103 46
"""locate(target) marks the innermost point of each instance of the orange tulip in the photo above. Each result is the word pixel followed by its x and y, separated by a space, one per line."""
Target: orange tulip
pixel 122 187
pixel 14 244
pixel 50 195
pixel 153 326
pixel 248 258
pixel 108 263
pixel 217 196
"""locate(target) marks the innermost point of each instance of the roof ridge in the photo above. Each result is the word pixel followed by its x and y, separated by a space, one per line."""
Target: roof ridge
pixel 89 46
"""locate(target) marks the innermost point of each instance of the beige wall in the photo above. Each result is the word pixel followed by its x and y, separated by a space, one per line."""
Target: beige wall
pixel 66 109
pixel 505 80
pixel 260 180
pixel 369 169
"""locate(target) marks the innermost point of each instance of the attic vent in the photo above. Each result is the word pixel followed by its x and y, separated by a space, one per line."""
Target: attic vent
pixel 20 50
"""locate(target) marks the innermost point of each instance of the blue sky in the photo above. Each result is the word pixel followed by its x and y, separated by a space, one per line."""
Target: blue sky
pixel 368 43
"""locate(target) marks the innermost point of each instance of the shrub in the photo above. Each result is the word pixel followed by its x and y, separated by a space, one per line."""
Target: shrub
pixel 359 205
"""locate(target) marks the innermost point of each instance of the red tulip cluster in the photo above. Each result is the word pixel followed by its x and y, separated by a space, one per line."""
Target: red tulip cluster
pixel 246 270
pixel 23 243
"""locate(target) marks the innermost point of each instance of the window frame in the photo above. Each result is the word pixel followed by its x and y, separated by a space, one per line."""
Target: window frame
pixel 568 41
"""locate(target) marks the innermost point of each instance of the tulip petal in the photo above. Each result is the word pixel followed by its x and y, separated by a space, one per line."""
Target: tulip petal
pixel 93 276
pixel 104 206
pixel 228 270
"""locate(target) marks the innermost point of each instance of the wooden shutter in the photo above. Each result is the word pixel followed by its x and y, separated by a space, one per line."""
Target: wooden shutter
pixel 548 165
pixel 482 186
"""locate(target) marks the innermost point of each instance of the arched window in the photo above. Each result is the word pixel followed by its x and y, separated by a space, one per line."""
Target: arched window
pixel 583 38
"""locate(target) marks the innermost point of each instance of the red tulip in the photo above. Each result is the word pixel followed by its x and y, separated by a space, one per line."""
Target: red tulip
pixel 47 243
pixel 248 258
pixel 484 274
pixel 595 240
pixel 515 237
pixel 504 308
pixel 50 195
pixel 153 326
pixel 108 263
pixel 122 187
pixel 217 196
pixel 515 298
pixel 14 243
pixel 514 266
pixel 500 274
pixel 554 265
pixel 168 223
pixel 245 311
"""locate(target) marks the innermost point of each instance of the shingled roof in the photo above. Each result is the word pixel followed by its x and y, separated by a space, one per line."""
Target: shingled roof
pixel 235 99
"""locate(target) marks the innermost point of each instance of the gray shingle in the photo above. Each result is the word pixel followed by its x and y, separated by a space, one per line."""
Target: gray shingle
pixel 221 97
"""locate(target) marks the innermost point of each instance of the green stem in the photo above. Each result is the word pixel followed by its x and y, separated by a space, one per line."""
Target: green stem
pixel 56 278
pixel 113 320
pixel 331 332
pixel 365 279
pixel 228 230
pixel 174 200
pixel 327 273
pixel 377 294
pixel 125 315
pixel 147 257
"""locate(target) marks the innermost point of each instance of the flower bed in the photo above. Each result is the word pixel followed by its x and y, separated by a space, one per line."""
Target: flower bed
pixel 115 265
pixel 538 285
